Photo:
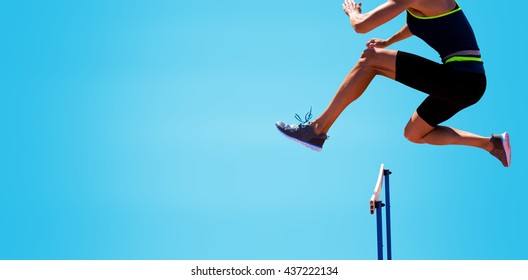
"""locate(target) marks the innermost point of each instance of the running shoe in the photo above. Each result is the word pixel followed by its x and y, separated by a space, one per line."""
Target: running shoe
pixel 303 133
pixel 501 148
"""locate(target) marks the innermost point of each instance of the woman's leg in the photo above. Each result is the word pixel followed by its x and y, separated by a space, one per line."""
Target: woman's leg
pixel 419 131
pixel 372 62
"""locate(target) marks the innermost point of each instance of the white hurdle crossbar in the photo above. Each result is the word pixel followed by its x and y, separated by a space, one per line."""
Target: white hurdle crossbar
pixel 377 190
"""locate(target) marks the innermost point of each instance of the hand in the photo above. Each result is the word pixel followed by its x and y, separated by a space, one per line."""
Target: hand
pixel 377 43
pixel 349 6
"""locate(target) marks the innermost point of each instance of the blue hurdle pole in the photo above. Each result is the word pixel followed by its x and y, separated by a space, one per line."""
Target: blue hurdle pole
pixel 379 224
pixel 386 173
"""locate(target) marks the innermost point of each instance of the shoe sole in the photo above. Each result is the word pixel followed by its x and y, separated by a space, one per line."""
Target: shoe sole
pixel 308 145
pixel 507 148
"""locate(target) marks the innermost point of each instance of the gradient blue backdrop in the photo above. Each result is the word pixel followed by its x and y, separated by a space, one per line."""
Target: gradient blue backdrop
pixel 145 130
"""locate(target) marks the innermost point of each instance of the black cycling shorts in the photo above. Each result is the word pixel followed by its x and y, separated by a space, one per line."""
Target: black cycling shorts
pixel 449 90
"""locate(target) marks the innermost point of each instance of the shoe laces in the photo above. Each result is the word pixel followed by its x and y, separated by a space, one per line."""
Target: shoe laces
pixel 307 118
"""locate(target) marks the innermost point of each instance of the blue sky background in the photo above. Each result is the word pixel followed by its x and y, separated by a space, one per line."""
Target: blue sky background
pixel 145 130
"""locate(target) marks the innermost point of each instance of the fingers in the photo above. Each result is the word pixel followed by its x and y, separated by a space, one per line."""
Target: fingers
pixel 349 3
pixel 370 43
pixel 346 4
pixel 376 43
pixel 355 6
pixel 350 6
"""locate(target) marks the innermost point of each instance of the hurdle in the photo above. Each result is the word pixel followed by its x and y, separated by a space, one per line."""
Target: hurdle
pixel 375 207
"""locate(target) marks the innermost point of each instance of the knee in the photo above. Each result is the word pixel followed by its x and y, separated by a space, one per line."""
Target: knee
pixel 413 135
pixel 368 58
pixel 375 60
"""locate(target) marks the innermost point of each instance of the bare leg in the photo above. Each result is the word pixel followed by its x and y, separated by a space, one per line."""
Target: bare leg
pixel 383 62
pixel 418 131
pixel 372 62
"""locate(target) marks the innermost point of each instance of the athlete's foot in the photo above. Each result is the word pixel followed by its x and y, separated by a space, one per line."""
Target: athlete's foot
pixel 501 148
pixel 317 128
pixel 304 134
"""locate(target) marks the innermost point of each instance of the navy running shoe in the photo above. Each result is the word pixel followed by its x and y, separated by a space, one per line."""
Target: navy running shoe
pixel 501 148
pixel 303 133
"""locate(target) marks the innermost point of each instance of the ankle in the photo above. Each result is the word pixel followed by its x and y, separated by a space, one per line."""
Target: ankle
pixel 316 128
pixel 489 145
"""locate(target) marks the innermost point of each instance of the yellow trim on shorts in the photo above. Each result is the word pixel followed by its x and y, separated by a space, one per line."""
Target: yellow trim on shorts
pixel 463 58
pixel 438 16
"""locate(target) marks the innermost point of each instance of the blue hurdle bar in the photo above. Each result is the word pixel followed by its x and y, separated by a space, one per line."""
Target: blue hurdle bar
pixel 379 224
pixel 387 213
